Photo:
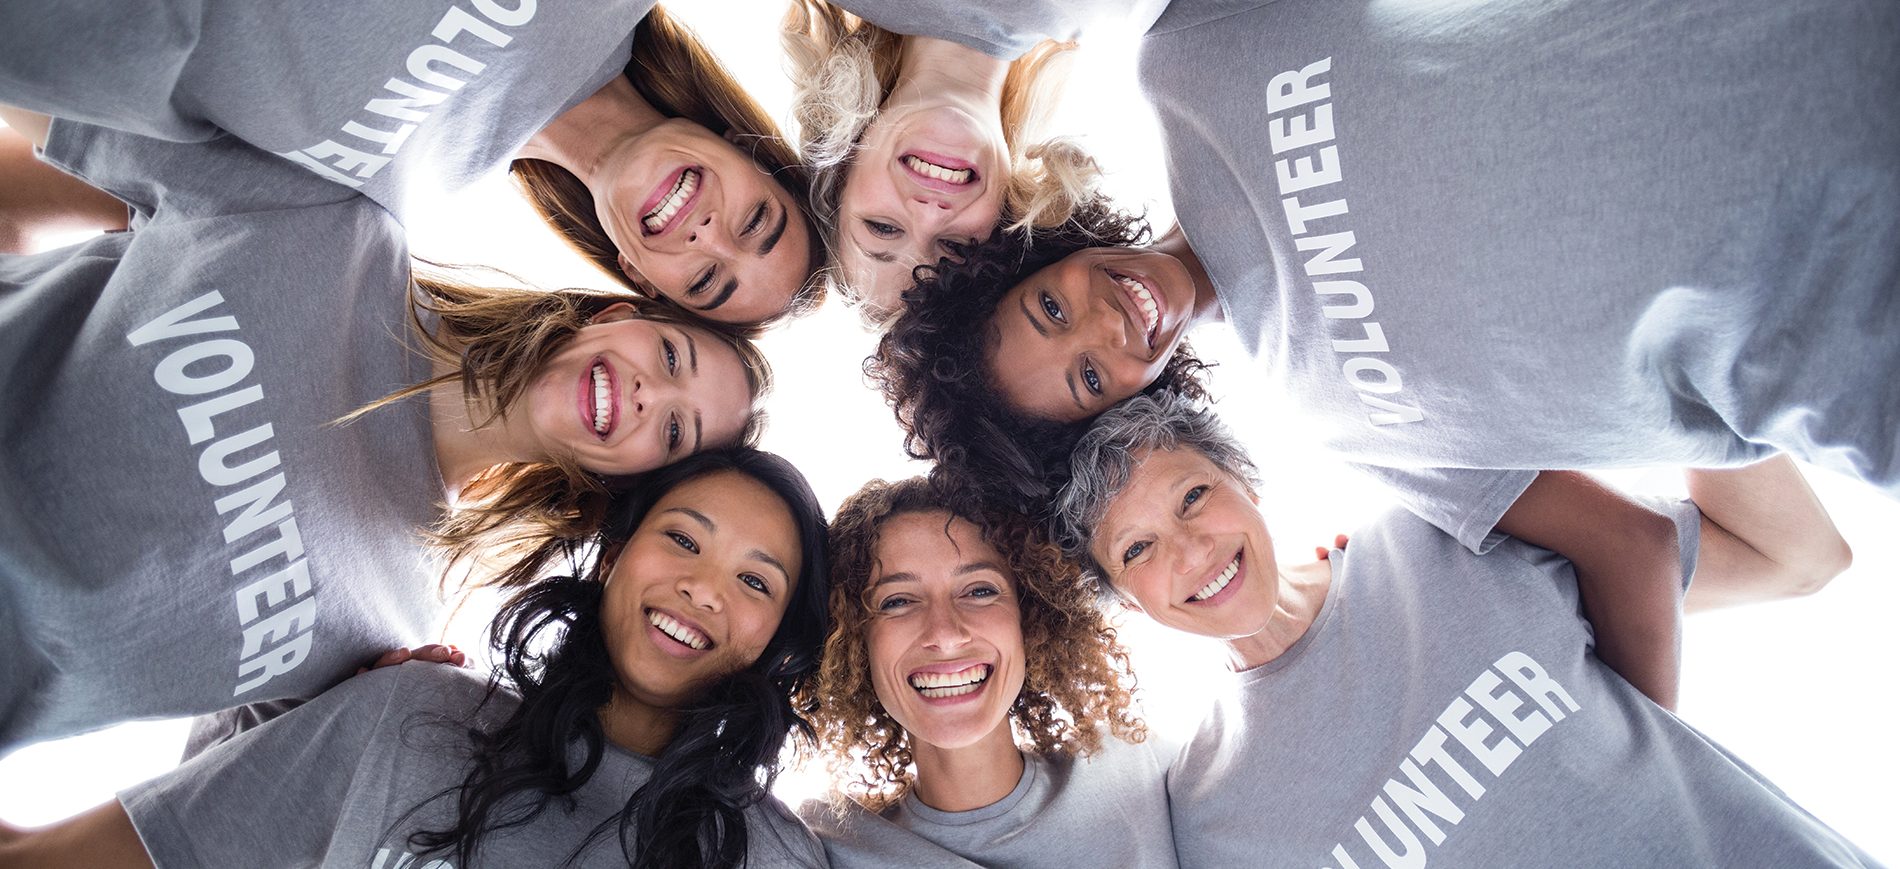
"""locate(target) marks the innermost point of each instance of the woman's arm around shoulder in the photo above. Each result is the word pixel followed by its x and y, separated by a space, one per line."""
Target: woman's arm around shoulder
pixel 1765 536
pixel 102 837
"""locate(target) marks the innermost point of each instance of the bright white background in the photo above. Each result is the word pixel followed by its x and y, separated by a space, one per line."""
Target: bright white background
pixel 1802 690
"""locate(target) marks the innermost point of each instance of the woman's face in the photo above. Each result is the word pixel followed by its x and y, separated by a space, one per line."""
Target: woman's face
pixel 923 175
pixel 627 395
pixel 703 224
pixel 698 591
pixel 1089 330
pixel 945 634
pixel 1185 543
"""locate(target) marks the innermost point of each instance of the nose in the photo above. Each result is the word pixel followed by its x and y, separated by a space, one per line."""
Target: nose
pixel 944 628
pixel 710 235
pixel 651 391
pixel 699 586
pixel 1107 323
pixel 1193 551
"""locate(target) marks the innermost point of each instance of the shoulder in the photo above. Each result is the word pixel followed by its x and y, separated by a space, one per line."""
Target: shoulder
pixel 777 837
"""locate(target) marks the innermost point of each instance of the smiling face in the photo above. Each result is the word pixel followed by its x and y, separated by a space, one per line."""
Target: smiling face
pixel 945 636
pixel 698 591
pixel 628 395
pixel 703 224
pixel 1185 543
pixel 1088 331
pixel 923 176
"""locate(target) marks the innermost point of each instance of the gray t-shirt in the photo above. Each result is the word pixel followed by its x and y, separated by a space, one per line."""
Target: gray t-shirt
pixel 1446 708
pixel 182 530
pixel 1551 235
pixel 395 99
pixel 1006 29
pixel 344 780
pixel 1109 806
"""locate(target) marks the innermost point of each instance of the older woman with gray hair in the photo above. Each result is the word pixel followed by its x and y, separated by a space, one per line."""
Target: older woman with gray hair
pixel 1416 701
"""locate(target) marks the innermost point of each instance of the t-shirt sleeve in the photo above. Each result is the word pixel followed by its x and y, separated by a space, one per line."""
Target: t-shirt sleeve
pixel 101 62
pixel 272 795
pixel 1466 503
pixel 218 176
pixel 1688 519
pixel 780 840
pixel 1007 28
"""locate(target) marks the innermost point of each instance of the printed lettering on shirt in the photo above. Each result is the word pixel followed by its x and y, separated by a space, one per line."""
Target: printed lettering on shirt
pixel 429 73
pixel 1300 134
pixel 276 606
pixel 1506 709
pixel 387 859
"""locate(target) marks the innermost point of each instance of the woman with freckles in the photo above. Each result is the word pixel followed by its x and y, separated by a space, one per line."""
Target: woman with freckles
pixel 974 707
pixel 1404 700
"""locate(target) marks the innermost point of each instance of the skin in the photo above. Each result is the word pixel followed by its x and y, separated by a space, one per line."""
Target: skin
pixel 718 555
pixel 735 252
pixel 41 205
pixel 677 389
pixel 946 108
pixel 942 600
pixel 1071 340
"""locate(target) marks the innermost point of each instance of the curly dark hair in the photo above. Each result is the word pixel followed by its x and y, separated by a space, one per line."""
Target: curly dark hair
pixel 930 365
pixel 1076 685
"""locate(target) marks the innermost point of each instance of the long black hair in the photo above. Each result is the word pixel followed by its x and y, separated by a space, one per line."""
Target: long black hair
pixel 724 755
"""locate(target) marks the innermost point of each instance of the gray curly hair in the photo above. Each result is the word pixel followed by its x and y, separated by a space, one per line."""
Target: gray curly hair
pixel 1105 458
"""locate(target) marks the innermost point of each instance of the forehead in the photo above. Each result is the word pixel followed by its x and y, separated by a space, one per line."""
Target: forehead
pixel 1153 476
pixel 875 282
pixel 926 543
pixel 745 512
pixel 1030 369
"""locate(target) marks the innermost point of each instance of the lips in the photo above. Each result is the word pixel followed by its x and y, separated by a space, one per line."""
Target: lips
pixel 688 636
pixel 1220 583
pixel 670 201
pixel 1142 305
pixel 599 398
pixel 953 682
pixel 939 172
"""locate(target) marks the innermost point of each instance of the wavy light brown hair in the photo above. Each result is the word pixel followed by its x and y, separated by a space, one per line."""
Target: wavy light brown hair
pixel 496 340
pixel 843 67
pixel 675 73
pixel 1076 683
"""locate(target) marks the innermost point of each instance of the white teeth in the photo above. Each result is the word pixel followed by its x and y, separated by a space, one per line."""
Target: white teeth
pixel 964 681
pixel 672 628
pixel 1150 311
pixel 656 220
pixel 1220 582
pixel 932 170
pixel 603 407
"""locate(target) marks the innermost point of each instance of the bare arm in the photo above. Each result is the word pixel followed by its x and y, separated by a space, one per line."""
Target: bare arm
pixel 102 837
pixel 1764 535
pixel 1629 572
pixel 38 201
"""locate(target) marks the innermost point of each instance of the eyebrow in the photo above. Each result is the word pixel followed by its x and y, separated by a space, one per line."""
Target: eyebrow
pixel 700 517
pixel 1068 377
pixel 766 557
pixel 771 241
pixel 725 293
pixel 885 257
pixel 692 353
pixel 699 430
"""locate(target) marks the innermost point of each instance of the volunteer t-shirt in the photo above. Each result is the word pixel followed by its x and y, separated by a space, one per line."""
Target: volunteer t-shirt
pixel 1530 235
pixel 1446 708
pixel 1006 29
pixel 182 528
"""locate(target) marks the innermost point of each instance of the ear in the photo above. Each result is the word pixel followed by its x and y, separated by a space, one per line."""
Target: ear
pixel 609 555
pixel 614 313
pixel 1251 494
pixel 1128 600
pixel 732 137
pixel 633 274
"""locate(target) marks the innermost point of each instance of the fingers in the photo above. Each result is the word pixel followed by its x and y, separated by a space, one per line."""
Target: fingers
pixel 440 654
pixel 1322 553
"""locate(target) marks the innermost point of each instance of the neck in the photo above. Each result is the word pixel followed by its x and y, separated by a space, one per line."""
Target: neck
pixel 584 139
pixel 1207 308
pixel 463 448
pixel 939 71
pixel 1302 592
pixel 971 777
pixel 636 726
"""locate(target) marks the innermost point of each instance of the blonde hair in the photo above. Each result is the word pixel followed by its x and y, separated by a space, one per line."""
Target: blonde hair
pixel 843 67
pixel 1076 681
pixel 675 73
pixel 496 340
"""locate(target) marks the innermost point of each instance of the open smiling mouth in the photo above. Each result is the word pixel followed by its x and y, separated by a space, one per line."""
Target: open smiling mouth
pixel 938 686
pixel 656 221
pixel 606 411
pixel 1145 301
pixel 942 173
pixel 1219 582
pixel 678 631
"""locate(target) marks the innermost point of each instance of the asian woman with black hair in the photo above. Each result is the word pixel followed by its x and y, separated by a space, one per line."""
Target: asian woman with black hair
pixel 635 717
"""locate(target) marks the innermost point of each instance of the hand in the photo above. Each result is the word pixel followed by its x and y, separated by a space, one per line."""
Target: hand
pixel 1322 553
pixel 433 652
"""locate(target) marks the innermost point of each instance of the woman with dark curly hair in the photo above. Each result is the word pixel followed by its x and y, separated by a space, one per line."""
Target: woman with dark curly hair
pixel 636 716
pixel 974 705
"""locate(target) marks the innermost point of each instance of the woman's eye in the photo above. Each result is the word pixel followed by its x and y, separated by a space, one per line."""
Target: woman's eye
pixel 671 356
pixel 756 581
pixel 705 280
pixel 1052 310
pixel 684 542
pixel 673 437
pixel 1193 496
pixel 758 219
pixel 1093 379
pixel 983 591
pixel 882 230
pixel 1134 551
pixel 892 603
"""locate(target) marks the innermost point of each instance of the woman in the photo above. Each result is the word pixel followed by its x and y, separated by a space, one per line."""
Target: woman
pixel 642 150
pixel 1415 701
pixel 973 703
pixel 173 458
pixel 922 129
pixel 636 717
